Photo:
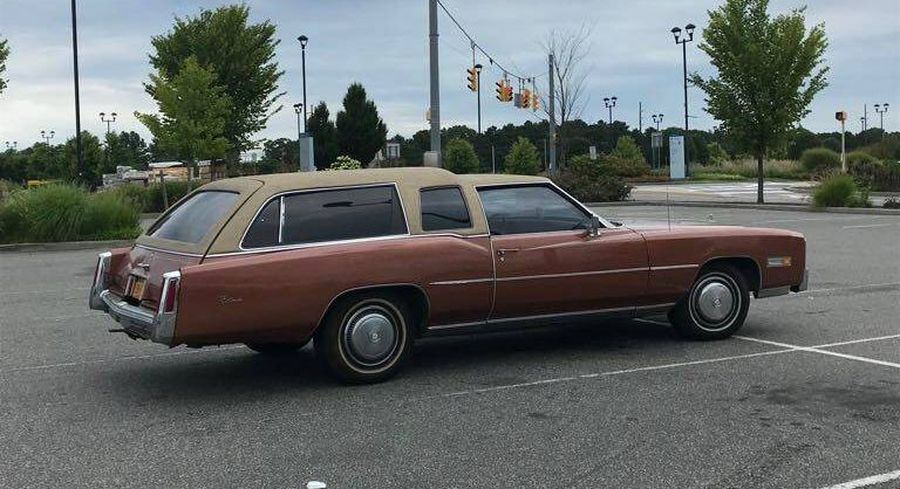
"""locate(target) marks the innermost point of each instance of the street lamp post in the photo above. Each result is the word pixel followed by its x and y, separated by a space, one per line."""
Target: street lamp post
pixel 478 86
pixel 108 121
pixel 880 110
pixel 610 103
pixel 47 136
pixel 689 36
pixel 657 119
pixel 303 40
pixel 14 146
pixel 298 109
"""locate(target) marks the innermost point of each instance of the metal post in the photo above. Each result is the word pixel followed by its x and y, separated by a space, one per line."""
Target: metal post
pixel 843 148
pixel 435 81
pixel 641 117
pixel 865 117
pixel 493 160
pixel 478 86
pixel 79 156
pixel 303 69
pixel 551 169
pixel 684 60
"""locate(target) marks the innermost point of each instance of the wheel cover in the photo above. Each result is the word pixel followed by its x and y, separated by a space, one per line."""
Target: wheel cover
pixel 371 335
pixel 715 302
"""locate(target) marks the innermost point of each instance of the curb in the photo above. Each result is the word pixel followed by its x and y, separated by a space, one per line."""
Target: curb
pixel 768 207
pixel 67 245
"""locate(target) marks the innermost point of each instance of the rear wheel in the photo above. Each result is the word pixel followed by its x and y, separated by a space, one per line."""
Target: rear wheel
pixel 715 307
pixel 365 337
pixel 276 348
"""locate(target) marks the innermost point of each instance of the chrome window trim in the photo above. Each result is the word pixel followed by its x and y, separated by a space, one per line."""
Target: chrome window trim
pixel 280 221
pixel 565 195
pixel 171 252
pixel 287 193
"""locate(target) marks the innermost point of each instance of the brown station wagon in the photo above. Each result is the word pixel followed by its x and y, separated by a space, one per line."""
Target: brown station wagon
pixel 366 261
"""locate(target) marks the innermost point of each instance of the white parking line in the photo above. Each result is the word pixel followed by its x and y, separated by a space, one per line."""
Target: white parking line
pixel 868 481
pixel 823 352
pixel 119 359
pixel 853 342
pixel 862 226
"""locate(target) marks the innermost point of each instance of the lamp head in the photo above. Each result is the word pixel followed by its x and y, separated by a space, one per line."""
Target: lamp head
pixel 676 31
pixel 690 30
pixel 303 40
pixel 478 67
pixel 298 107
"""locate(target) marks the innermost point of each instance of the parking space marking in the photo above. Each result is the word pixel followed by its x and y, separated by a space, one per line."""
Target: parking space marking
pixel 118 359
pixel 612 373
pixel 868 481
pixel 862 226
pixel 864 340
pixel 813 349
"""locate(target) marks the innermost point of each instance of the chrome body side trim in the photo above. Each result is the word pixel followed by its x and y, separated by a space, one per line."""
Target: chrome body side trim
pixel 571 274
pixel 674 267
pixel 629 311
pixel 463 282
pixel 280 221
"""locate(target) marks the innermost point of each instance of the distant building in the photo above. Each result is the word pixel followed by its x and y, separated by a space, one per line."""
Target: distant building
pixel 177 171
pixel 125 174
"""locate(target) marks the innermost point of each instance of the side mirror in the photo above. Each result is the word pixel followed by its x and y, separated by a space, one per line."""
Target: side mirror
pixel 594 227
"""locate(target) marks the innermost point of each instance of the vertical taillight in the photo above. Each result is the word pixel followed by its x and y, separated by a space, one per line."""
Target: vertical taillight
pixel 102 270
pixel 168 300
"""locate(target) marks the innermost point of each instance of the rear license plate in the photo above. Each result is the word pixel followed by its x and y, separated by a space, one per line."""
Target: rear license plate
pixel 136 287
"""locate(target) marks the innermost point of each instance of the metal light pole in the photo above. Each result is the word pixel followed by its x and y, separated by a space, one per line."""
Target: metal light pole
pixel 303 40
pixel 880 110
pixel 478 86
pixel 676 31
pixel 434 65
pixel 47 138
pixel 610 103
pixel 79 155
pixel 108 121
pixel 299 109
pixel 14 146
pixel 862 124
pixel 551 109
pixel 657 119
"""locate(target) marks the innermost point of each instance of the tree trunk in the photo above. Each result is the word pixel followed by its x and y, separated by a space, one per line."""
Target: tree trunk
pixel 760 175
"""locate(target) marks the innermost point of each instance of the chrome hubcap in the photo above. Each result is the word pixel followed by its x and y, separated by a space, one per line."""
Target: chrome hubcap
pixel 371 336
pixel 715 302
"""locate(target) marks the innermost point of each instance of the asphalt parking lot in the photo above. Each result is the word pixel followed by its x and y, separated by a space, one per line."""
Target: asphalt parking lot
pixel 808 396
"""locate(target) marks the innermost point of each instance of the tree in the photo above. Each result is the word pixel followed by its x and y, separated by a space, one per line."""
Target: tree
pixel 627 149
pixel 360 131
pixel 769 70
pixel 459 157
pixel 92 157
pixel 194 111
pixel 279 155
pixel 325 143
pixel 4 53
pixel 569 50
pixel 523 159
pixel 126 149
pixel 242 56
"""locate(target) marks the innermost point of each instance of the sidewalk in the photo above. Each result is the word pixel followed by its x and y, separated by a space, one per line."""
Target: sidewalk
pixel 780 192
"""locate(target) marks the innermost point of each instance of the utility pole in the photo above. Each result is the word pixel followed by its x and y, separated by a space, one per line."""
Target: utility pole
pixel 435 81
pixel 641 117
pixel 865 117
pixel 493 160
pixel 551 106
pixel 79 156
pixel 478 85
pixel 880 109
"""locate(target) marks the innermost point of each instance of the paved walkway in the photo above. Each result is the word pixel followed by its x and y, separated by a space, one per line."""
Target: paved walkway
pixel 742 192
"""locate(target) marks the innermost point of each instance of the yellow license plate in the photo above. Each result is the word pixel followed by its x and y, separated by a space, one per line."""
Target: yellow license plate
pixel 137 287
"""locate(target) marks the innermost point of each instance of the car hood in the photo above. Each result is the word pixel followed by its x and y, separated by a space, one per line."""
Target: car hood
pixel 653 229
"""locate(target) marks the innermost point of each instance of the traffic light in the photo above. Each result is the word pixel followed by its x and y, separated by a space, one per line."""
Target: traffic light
pixel 473 79
pixel 504 91
pixel 526 98
pixel 535 102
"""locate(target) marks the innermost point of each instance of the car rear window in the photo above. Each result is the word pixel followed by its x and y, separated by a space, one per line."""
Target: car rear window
pixel 328 215
pixel 192 220
pixel 444 208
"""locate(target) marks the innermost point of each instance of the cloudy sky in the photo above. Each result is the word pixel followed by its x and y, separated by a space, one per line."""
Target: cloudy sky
pixel 383 44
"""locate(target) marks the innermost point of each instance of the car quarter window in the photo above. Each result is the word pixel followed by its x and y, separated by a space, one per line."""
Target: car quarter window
pixel 444 208
pixel 192 220
pixel 530 209
pixel 328 215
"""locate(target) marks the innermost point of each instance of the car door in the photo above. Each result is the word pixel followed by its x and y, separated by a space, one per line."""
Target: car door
pixel 547 263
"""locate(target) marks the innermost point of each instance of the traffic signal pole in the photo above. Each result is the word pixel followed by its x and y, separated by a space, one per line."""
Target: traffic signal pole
pixel 435 80
pixel 551 110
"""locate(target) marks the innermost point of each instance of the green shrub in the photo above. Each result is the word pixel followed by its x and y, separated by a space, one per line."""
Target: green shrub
pixel 345 163
pixel 621 167
pixel 584 165
pixel 459 157
pixel 604 188
pixel 523 158
pixel 840 190
pixel 820 160
pixel 66 213
pixel 717 154
pixel 627 149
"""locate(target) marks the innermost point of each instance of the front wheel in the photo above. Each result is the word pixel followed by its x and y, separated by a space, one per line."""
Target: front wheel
pixel 365 337
pixel 715 307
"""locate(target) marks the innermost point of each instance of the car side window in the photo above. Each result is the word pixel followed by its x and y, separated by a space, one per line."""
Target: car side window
pixel 530 209
pixel 444 208
pixel 328 215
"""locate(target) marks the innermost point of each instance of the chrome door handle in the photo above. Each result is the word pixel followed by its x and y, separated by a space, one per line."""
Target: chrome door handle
pixel 501 253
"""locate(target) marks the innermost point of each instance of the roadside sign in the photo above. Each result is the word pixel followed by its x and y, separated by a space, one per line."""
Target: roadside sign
pixel 676 157
pixel 656 140
pixel 593 152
